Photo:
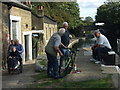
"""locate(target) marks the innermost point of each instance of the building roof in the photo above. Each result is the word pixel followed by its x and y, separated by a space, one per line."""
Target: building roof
pixel 23 6
pixel 17 4
pixel 51 20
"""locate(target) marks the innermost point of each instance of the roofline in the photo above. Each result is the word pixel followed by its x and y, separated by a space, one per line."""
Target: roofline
pixel 50 18
pixel 36 14
pixel 17 4
pixel 20 5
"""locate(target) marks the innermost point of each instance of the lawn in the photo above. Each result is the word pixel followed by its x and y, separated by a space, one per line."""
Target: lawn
pixel 41 81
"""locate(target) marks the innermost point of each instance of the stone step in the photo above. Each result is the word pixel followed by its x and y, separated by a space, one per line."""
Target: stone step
pixel 109 69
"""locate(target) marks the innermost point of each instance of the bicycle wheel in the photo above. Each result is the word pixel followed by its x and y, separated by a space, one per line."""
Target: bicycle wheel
pixel 68 66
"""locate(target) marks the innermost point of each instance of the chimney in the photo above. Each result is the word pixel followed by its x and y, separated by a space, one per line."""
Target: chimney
pixel 41 10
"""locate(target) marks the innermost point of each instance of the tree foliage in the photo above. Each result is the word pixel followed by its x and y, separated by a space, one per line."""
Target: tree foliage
pixel 62 11
pixel 88 20
pixel 109 13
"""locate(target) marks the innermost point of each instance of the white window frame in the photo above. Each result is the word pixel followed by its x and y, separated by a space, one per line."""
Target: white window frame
pixel 18 19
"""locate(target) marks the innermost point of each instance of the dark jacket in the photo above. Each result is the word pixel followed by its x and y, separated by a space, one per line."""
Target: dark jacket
pixel 14 54
pixel 65 39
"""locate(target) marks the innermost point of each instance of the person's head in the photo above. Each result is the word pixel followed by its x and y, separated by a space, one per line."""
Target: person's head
pixel 13 49
pixel 97 33
pixel 12 42
pixel 102 31
pixel 61 31
pixel 16 41
pixel 65 25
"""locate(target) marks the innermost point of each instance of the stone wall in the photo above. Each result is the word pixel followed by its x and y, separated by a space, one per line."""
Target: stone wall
pixel 25 19
pixel 49 30
pixel 5 33
pixel 50 27
pixel 0 35
pixel 37 22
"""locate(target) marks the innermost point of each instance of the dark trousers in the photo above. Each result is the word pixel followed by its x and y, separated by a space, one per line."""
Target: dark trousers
pixel 21 64
pixel 52 67
pixel 97 53
pixel 12 62
pixel 65 55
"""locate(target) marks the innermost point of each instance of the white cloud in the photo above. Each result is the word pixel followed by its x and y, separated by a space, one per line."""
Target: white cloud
pixel 89 4
pixel 89 7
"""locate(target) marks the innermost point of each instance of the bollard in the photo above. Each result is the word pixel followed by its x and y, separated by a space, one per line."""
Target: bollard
pixel 75 67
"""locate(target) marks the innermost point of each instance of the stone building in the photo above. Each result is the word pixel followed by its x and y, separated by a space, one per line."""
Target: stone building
pixel 50 26
pixel 31 29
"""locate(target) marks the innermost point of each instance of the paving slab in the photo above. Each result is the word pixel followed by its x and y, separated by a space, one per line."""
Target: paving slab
pixel 89 70
pixel 15 80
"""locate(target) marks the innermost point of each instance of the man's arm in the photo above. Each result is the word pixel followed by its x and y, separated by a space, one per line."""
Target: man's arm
pixel 96 45
pixel 21 49
pixel 58 51
pixel 56 45
pixel 63 45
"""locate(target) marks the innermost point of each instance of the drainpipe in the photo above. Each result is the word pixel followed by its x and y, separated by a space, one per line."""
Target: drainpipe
pixel 9 7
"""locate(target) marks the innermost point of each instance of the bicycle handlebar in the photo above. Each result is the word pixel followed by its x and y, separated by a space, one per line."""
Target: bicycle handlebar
pixel 73 49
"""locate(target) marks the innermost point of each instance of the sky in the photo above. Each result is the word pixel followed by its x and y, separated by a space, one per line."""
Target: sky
pixel 89 7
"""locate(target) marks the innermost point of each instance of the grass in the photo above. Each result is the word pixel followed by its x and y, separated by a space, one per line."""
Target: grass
pixel 41 81
pixel 43 62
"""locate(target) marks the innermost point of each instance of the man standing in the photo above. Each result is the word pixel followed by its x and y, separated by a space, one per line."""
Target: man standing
pixel 51 49
pixel 65 39
pixel 102 46
pixel 20 49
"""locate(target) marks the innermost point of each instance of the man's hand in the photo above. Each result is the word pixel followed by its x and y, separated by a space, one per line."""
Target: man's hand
pixel 58 51
pixel 10 57
pixel 63 45
pixel 61 54
pixel 95 46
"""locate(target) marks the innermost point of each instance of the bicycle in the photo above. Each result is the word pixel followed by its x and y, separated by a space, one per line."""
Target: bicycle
pixel 68 62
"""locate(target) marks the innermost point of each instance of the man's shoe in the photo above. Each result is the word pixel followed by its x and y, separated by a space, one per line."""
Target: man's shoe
pixel 58 77
pixel 50 76
pixel 93 60
pixel 98 62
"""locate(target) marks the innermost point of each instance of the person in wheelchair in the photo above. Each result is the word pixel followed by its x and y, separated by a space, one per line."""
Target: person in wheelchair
pixel 13 59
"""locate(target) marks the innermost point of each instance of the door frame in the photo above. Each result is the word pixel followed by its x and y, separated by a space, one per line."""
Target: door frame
pixel 30 45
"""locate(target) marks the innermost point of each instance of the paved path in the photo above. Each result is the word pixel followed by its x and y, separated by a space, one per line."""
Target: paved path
pixel 89 70
pixel 19 80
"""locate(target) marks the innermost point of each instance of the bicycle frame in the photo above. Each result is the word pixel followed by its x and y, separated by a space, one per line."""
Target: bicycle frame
pixel 69 61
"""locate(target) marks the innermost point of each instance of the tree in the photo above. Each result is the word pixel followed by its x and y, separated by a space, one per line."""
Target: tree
pixel 88 20
pixel 62 11
pixel 109 13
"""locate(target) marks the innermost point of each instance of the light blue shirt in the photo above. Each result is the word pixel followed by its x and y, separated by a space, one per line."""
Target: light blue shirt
pixel 54 41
